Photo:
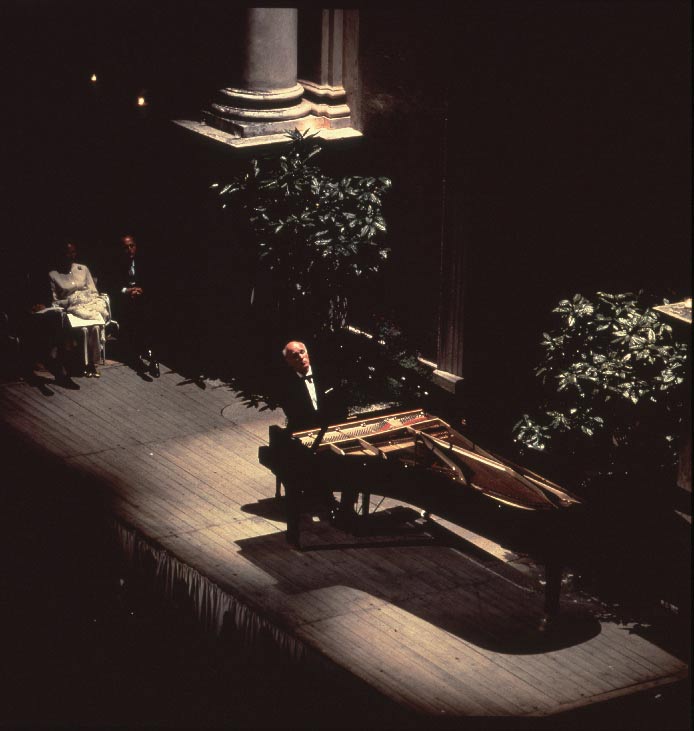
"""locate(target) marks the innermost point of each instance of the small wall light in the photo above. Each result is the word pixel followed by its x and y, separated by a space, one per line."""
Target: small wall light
pixel 92 78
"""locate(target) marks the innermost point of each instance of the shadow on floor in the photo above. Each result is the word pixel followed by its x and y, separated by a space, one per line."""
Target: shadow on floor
pixel 476 600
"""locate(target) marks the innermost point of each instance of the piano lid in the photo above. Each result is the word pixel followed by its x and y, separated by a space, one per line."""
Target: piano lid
pixel 416 438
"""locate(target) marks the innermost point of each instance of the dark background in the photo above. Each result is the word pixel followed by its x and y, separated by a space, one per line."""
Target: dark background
pixel 548 142
pixel 553 138
pixel 557 132
pixel 573 172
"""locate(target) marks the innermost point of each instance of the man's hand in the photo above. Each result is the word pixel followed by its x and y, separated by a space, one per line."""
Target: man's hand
pixel 133 291
pixel 37 308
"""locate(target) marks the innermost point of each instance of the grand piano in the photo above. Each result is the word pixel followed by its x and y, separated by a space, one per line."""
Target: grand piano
pixel 417 458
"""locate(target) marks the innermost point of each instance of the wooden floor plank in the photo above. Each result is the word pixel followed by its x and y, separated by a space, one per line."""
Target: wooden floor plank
pixel 58 419
pixel 113 466
pixel 536 672
pixel 636 651
pixel 159 486
pixel 30 425
pixel 358 636
pixel 106 410
pixel 498 687
pixel 427 625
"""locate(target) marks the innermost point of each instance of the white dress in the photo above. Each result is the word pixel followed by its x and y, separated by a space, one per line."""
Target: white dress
pixel 62 286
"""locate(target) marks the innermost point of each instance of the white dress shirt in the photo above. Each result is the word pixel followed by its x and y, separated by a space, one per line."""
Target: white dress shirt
pixel 311 386
pixel 131 276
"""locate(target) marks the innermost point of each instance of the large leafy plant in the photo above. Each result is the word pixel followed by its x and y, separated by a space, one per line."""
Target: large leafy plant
pixel 316 238
pixel 378 368
pixel 612 383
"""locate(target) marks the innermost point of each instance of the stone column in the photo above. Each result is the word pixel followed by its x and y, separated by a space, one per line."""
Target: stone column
pixel 324 90
pixel 450 355
pixel 268 100
pixel 453 270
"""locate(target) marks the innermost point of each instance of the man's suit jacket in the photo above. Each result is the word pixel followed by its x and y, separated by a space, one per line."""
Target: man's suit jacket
pixel 119 277
pixel 117 274
pixel 141 273
pixel 295 400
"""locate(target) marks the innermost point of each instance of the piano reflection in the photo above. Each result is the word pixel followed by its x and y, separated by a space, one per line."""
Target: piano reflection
pixel 417 458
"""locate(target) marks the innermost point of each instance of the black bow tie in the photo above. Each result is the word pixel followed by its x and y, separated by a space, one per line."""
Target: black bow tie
pixel 307 378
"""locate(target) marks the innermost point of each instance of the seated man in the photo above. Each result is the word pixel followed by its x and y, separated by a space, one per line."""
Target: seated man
pixel 309 401
pixel 133 300
pixel 307 398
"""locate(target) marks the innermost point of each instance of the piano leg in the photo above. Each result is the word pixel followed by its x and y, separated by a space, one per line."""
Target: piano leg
pixel 553 573
pixel 557 556
pixel 347 516
pixel 293 501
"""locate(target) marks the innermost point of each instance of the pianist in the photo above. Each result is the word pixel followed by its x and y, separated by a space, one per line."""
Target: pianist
pixel 308 399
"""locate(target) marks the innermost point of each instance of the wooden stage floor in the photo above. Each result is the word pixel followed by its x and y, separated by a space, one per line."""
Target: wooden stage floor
pixel 442 631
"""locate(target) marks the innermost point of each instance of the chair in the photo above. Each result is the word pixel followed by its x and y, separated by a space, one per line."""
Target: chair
pixel 104 324
pixel 110 329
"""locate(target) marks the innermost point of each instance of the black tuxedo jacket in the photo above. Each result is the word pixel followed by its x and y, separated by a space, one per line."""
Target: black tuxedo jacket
pixel 118 273
pixel 119 277
pixel 141 278
pixel 294 398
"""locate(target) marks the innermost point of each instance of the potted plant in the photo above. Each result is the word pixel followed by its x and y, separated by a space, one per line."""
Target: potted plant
pixel 612 392
pixel 316 239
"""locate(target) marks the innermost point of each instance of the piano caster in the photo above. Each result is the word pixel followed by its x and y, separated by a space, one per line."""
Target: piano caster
pixel 343 517
pixel 553 575
pixel 547 623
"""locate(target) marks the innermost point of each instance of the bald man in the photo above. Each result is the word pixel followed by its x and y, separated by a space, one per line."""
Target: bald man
pixel 308 400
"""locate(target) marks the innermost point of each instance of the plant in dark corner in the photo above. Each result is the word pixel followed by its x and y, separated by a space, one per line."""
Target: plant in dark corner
pixel 613 389
pixel 383 367
pixel 316 239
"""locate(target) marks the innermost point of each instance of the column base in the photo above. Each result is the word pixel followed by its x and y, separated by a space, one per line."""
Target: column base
pixel 266 140
pixel 257 124
pixel 273 99
pixel 258 113
pixel 328 103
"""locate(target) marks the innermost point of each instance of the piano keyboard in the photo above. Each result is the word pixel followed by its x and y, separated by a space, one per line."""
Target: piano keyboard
pixel 366 428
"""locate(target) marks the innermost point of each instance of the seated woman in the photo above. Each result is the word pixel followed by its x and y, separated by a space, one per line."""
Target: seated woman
pixel 73 290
